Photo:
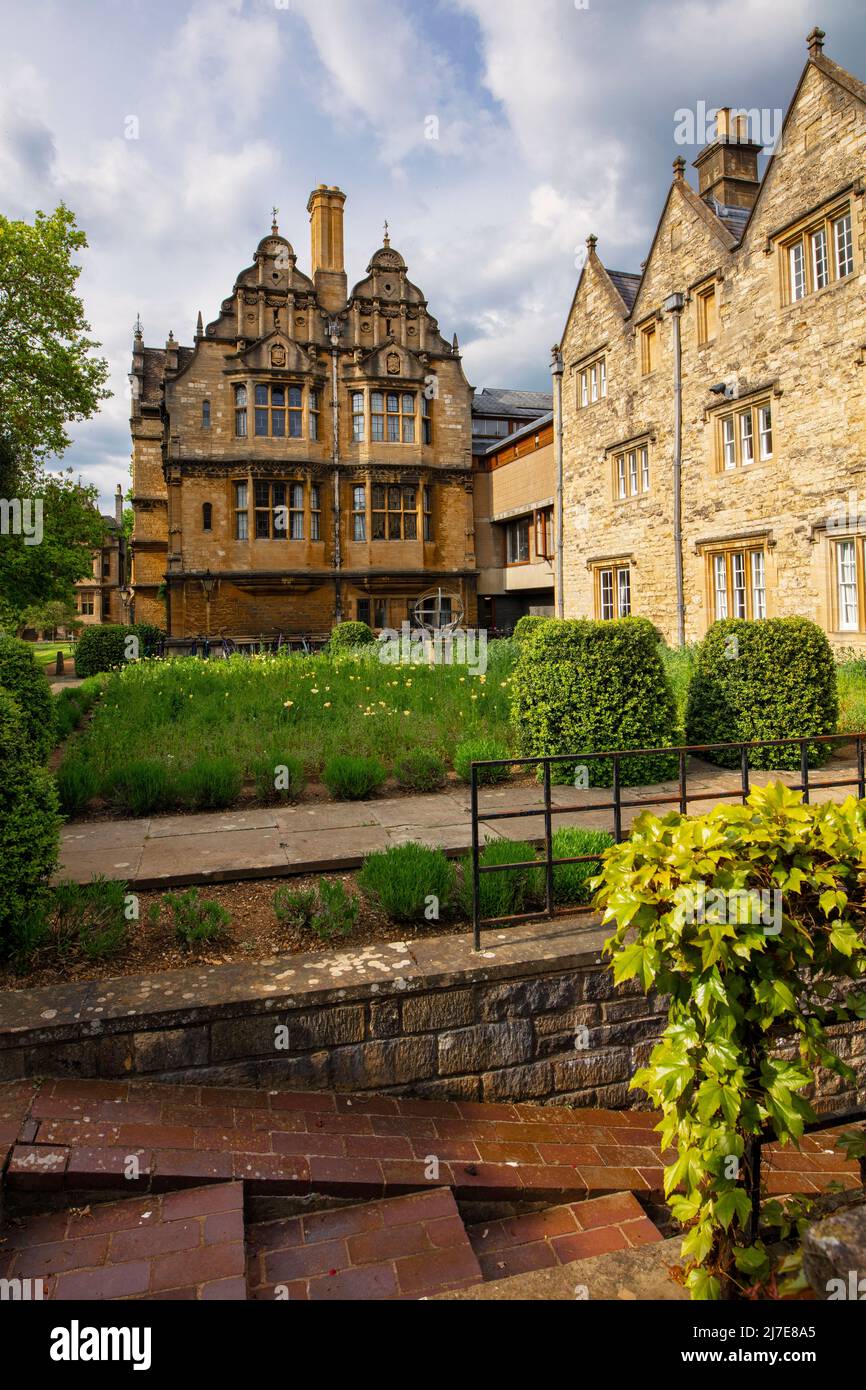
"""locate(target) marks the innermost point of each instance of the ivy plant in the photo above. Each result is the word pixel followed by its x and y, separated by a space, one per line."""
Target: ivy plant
pixel 752 921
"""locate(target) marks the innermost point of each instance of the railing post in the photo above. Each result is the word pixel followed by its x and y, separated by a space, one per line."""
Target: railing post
pixel 684 801
pixel 617 802
pixel 804 769
pixel 861 770
pixel 744 771
pixel 476 894
pixel 548 840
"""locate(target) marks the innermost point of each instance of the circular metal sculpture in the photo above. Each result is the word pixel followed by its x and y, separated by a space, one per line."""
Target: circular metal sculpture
pixel 439 610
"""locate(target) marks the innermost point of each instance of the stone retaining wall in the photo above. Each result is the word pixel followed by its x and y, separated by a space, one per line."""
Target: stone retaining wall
pixel 533 1016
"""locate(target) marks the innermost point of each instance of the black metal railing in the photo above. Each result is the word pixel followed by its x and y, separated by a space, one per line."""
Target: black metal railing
pixel 681 798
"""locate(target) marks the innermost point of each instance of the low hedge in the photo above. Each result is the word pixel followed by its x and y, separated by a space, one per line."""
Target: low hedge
pixel 347 635
pixel 29 827
pixel 582 686
pixel 528 625
pixel 103 648
pixel 763 680
pixel 26 683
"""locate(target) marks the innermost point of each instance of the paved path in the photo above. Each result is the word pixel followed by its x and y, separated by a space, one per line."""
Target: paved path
pixel 164 851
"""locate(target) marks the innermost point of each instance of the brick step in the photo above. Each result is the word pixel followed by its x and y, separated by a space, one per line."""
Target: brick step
pixel 400 1248
pixel 559 1235
pixel 79 1135
pixel 182 1245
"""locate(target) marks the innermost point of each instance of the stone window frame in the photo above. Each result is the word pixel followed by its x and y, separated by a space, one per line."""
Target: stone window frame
pixel 427 504
pixel 802 237
pixel 591 381
pixel 856 540
pixel 611 583
pixel 722 558
pixel 708 323
pixel 623 473
pixel 648 344
pixel 290 411
pixel 282 506
pixel 207 516
pixel 359 514
pixel 397 522
pixel 364 420
pixel 730 443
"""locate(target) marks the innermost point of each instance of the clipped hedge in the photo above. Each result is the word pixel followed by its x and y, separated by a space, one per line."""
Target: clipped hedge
pixel 347 635
pixel 25 682
pixel 29 827
pixel 763 680
pixel 103 648
pixel 528 625
pixel 582 686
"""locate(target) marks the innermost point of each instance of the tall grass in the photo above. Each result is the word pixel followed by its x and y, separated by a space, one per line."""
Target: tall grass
pixel 313 708
pixel 851 676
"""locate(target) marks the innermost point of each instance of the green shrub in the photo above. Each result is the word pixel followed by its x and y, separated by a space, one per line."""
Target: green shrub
pixel 763 680
pixel 142 787
pixel 337 910
pixel 351 779
pixel 420 771
pixel 104 647
pixel 26 683
pixel 29 825
pixel 510 891
pixel 571 881
pixel 295 906
pixel 476 750
pixel 585 687
pixel 197 921
pixel 77 783
pixel 347 635
pixel 750 921
pixel 89 919
pixel 279 778
pixel 402 880
pixel 527 626
pixel 211 783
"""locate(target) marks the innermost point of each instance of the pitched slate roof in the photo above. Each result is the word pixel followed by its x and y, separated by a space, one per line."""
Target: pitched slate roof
pixel 501 401
pixel 626 283
pixel 735 219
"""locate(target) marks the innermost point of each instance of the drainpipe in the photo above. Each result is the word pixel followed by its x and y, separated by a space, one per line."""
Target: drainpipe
pixel 556 374
pixel 334 335
pixel 674 305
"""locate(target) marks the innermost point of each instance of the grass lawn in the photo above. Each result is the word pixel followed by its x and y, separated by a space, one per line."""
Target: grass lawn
pixel 277 707
pixel 46 654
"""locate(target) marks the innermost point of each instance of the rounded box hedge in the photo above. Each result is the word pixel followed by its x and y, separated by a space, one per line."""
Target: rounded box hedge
pixel 29 825
pixel 27 685
pixel 770 679
pixel 582 686
pixel 105 648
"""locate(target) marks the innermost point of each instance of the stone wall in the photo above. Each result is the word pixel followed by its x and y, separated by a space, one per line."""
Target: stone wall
pixel 535 1020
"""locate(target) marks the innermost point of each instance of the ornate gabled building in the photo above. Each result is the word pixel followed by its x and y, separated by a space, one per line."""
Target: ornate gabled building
pixel 309 459
pixel 750 311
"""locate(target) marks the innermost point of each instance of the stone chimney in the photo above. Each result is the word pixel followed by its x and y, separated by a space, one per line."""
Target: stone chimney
pixel 118 507
pixel 325 207
pixel 728 166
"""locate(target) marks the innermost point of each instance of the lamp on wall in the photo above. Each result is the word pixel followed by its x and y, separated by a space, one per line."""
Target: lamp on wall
pixel 209 583
pixel 127 594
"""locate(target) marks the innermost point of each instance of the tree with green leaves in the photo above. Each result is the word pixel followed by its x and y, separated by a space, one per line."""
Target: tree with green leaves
pixel 35 574
pixel 49 374
pixel 752 921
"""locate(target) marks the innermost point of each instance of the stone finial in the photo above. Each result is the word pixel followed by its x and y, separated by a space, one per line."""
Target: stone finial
pixel 815 42
pixel 136 327
pixel 275 212
pixel 387 238
pixel 591 243
pixel 170 341
pixel 455 346
pixel 199 326
pixel 679 168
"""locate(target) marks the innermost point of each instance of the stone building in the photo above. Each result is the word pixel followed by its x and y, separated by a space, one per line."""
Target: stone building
pixel 309 459
pixel 97 598
pixel 762 281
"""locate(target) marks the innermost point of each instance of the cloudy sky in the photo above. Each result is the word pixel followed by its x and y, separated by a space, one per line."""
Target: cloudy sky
pixel 494 135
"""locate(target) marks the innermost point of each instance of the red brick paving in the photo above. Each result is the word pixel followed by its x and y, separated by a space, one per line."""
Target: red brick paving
pixel 186 1245
pixel 79 1134
pixel 399 1248
pixel 561 1234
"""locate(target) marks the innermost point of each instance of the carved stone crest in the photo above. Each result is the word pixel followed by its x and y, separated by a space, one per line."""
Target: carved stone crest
pixel 392 364
pixel 278 356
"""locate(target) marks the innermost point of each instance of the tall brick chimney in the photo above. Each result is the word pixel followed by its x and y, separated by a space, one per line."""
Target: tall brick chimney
pixel 325 207
pixel 728 166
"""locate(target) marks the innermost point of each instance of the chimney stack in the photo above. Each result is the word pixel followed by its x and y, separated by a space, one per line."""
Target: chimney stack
pixel 325 207
pixel 118 507
pixel 728 166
